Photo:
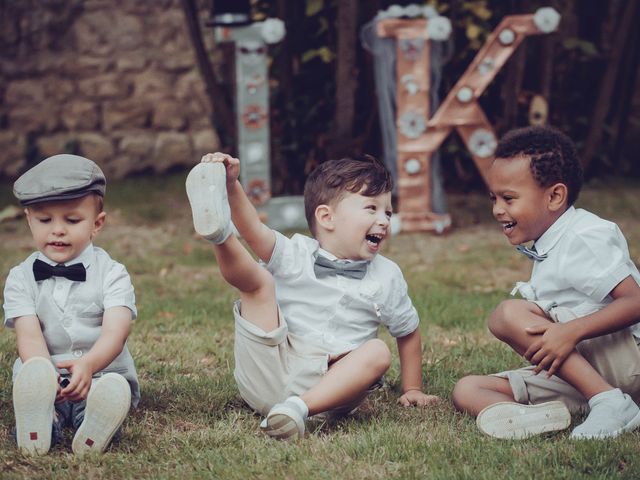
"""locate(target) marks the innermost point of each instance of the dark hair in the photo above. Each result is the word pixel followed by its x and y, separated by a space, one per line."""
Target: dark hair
pixel 553 156
pixel 331 180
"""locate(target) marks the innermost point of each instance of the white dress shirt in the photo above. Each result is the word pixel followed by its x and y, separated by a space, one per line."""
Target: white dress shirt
pixel 70 313
pixel 587 257
pixel 337 313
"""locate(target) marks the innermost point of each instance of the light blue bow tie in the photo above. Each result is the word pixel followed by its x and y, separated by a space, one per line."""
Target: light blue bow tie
pixel 352 269
pixel 531 253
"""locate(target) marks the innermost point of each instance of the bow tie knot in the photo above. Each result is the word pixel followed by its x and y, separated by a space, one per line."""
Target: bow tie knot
pixel 531 253
pixel 42 271
pixel 324 267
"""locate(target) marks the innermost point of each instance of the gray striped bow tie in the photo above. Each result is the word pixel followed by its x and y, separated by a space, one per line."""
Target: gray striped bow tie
pixel 324 267
pixel 531 253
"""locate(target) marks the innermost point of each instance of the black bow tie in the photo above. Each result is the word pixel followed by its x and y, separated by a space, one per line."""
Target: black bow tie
pixel 351 269
pixel 531 253
pixel 42 271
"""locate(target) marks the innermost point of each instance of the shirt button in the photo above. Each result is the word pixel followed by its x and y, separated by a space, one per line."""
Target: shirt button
pixel 77 353
pixel 59 286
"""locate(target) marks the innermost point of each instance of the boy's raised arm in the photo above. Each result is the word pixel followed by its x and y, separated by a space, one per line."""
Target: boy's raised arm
pixel 260 238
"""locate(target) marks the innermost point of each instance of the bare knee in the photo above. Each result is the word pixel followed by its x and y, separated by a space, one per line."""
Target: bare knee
pixel 379 355
pixel 465 390
pixel 501 321
pixel 475 392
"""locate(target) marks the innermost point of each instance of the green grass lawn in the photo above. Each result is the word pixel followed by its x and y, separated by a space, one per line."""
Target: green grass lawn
pixel 192 423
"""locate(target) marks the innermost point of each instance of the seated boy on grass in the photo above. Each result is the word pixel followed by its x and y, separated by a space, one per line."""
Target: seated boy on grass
pixel 306 325
pixel 577 324
pixel 71 306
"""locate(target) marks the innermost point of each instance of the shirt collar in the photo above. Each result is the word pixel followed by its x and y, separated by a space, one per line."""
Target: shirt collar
pixel 555 232
pixel 84 258
pixel 326 254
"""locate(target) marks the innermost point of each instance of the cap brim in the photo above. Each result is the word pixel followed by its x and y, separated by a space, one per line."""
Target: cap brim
pixel 61 197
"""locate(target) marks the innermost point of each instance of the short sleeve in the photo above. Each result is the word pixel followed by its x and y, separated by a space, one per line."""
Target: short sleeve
pixel 19 299
pixel 603 258
pixel 289 255
pixel 118 289
pixel 399 314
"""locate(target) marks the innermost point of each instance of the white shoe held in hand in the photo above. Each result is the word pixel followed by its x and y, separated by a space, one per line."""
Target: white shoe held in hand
pixel 207 191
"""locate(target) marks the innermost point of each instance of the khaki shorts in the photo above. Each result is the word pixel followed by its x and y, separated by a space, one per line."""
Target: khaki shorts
pixel 615 356
pixel 273 366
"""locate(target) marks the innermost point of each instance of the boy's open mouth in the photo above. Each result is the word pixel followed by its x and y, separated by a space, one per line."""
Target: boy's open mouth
pixel 507 227
pixel 58 244
pixel 374 238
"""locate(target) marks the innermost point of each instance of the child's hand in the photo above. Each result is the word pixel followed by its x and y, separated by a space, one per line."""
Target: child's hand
pixel 232 165
pixel 59 397
pixel 81 374
pixel 555 344
pixel 417 398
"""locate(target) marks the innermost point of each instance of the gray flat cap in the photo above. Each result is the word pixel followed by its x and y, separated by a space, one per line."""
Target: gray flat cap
pixel 61 177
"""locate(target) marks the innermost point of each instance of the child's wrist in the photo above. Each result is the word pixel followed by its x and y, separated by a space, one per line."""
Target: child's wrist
pixel 411 389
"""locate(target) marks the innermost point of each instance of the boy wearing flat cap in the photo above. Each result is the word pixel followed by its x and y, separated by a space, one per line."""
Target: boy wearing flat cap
pixel 72 307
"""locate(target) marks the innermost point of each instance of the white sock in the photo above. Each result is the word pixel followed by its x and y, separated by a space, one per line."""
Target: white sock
pixel 300 404
pixel 229 230
pixel 613 393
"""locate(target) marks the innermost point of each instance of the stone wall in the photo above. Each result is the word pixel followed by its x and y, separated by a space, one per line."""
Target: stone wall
pixel 113 80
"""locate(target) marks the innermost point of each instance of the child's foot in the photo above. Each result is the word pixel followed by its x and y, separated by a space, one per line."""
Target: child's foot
pixel 34 393
pixel 612 413
pixel 207 192
pixel 515 420
pixel 108 403
pixel 285 421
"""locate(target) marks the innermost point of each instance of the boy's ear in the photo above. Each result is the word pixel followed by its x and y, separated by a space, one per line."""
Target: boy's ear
pixel 98 223
pixel 557 195
pixel 324 217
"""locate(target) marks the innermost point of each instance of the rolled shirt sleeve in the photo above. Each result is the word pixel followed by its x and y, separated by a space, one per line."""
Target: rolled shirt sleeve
pixel 399 315
pixel 19 299
pixel 604 255
pixel 118 289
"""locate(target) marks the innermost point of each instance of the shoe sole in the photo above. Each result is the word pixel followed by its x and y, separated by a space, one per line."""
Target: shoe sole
pixel 206 189
pixel 34 394
pixel 107 406
pixel 632 425
pixel 282 426
pixel 510 420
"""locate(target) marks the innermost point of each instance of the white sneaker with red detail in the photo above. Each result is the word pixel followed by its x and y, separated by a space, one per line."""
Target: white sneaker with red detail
pixel 107 406
pixel 34 395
